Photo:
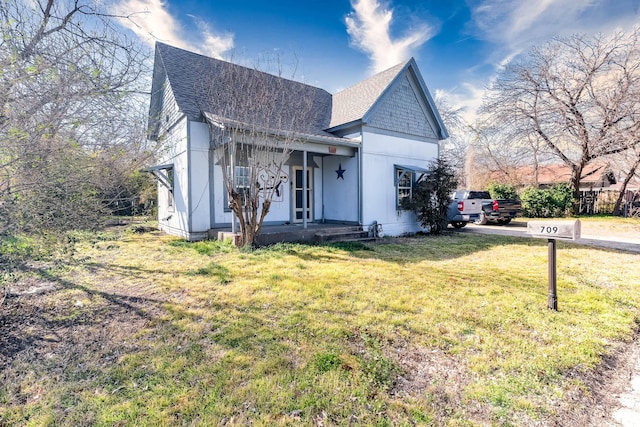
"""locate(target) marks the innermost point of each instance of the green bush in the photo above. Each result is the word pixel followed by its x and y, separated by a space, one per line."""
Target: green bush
pixel 502 191
pixel 553 202
pixel 431 196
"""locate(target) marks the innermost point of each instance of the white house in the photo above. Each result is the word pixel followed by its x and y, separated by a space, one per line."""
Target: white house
pixel 363 147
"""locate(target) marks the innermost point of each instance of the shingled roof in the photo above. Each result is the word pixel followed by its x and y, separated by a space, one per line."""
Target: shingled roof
pixel 201 84
pixel 353 103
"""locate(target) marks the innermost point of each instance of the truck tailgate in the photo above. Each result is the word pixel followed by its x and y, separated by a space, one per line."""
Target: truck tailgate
pixel 471 206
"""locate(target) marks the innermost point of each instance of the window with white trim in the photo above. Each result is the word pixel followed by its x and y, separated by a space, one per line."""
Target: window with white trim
pixel 404 186
pixel 170 198
pixel 405 179
pixel 241 182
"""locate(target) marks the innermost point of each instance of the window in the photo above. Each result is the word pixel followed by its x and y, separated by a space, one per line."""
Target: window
pixel 241 182
pixel 404 186
pixel 170 201
pixel 406 177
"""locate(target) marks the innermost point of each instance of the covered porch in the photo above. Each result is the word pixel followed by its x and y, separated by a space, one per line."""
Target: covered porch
pixel 312 232
pixel 316 186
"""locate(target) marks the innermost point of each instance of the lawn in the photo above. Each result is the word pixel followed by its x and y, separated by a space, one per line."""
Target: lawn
pixel 138 328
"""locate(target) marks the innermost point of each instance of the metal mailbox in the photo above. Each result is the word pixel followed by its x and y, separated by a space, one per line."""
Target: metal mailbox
pixel 554 229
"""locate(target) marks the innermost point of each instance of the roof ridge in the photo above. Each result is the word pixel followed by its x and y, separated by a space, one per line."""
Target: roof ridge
pixel 235 64
pixel 197 81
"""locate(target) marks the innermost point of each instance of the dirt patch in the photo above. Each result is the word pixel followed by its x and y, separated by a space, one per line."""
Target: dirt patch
pixel 51 331
pixel 595 404
pixel 441 377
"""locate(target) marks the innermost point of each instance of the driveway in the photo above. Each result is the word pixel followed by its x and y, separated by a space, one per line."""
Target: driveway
pixel 629 242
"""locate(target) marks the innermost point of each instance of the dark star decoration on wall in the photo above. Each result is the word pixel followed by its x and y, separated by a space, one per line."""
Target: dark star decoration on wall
pixel 340 171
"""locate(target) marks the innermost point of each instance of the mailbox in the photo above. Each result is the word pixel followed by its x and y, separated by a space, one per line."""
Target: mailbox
pixel 554 229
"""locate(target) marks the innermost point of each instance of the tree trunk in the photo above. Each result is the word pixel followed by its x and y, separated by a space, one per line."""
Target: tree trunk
pixel 623 189
pixel 576 172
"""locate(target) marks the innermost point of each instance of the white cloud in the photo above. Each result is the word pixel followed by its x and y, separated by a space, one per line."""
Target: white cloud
pixel 212 44
pixel 515 26
pixel 369 25
pixel 512 27
pixel 467 96
pixel 151 20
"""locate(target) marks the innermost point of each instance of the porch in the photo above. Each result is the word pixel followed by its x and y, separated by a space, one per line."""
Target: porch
pixel 297 233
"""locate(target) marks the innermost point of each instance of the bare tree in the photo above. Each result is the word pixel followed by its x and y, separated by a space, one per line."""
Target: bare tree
pixel 502 153
pixel 630 164
pixel 71 112
pixel 258 119
pixel 454 149
pixel 577 96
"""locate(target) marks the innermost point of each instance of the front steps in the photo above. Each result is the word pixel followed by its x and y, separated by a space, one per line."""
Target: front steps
pixel 343 234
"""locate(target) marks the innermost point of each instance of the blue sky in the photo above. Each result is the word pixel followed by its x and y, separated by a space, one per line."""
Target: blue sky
pixel 459 45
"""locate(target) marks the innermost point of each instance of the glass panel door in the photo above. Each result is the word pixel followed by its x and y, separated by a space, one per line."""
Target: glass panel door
pixel 298 211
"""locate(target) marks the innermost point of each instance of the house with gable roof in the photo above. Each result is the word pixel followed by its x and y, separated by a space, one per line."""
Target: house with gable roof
pixel 363 148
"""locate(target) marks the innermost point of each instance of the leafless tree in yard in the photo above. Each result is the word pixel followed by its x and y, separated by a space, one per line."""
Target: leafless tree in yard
pixel 575 96
pixel 501 152
pixel 257 121
pixel 72 112
pixel 629 164
pixel 454 149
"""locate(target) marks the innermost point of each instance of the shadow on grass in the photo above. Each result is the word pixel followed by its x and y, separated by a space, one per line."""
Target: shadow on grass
pixel 32 322
pixel 402 250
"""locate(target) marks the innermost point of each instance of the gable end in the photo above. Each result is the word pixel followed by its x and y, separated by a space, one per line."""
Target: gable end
pixel 401 110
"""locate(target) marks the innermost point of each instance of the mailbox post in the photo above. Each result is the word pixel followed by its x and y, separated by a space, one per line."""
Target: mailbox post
pixel 552 230
pixel 553 289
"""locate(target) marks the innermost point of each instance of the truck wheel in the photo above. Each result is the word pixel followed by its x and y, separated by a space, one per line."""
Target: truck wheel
pixel 504 221
pixel 481 221
pixel 458 224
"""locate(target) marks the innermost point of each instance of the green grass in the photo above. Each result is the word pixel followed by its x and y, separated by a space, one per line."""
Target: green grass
pixel 449 330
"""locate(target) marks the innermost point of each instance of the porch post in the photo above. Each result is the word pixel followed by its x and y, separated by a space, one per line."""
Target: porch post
pixel 233 169
pixel 304 189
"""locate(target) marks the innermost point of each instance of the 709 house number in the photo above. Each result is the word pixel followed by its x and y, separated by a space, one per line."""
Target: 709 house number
pixel 548 230
pixel 554 229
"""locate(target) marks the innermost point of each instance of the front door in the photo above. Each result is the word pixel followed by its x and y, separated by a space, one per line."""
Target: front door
pixel 298 207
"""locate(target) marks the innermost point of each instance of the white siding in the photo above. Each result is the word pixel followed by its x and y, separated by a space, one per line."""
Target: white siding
pixel 175 220
pixel 379 155
pixel 340 196
pixel 199 185
pixel 318 188
pixel 280 206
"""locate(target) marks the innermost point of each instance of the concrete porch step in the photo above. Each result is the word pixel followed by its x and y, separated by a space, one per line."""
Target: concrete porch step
pixel 343 234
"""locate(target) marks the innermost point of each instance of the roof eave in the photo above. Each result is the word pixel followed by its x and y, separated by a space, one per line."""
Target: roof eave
pixel 344 126
pixel 221 122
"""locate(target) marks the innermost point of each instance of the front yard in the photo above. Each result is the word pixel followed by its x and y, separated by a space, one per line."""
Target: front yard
pixel 144 329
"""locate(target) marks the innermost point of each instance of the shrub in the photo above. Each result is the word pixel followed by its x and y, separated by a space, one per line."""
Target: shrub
pixel 553 202
pixel 502 191
pixel 431 196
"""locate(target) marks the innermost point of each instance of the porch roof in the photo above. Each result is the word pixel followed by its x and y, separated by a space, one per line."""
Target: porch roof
pixel 223 123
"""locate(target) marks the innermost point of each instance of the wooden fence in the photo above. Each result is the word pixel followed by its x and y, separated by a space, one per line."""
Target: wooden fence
pixel 603 201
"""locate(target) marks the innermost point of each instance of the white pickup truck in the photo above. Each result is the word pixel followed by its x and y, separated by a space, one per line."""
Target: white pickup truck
pixel 465 207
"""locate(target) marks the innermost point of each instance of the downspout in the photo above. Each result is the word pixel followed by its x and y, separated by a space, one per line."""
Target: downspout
pixel 190 189
pixel 323 187
pixel 304 189
pixel 212 204
pixel 360 179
